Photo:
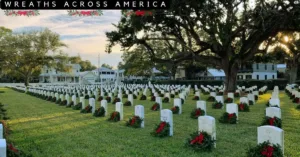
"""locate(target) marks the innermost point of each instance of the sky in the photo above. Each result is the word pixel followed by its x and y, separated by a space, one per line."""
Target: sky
pixel 83 35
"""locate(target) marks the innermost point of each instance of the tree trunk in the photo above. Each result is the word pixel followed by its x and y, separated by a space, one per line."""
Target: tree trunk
pixel 230 75
pixel 26 81
pixel 293 74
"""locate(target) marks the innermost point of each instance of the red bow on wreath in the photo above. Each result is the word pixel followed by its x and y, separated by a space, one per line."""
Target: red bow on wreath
pixel 132 121
pixel 271 121
pixel 140 13
pixel 199 139
pixel 268 151
pixel 198 112
pixel 161 127
pixel 230 115
pixel 241 106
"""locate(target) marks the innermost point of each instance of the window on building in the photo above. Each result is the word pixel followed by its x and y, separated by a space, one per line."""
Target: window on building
pixel 273 67
pixel 273 76
pixel 112 73
pixel 266 77
pixel 265 66
pixel 257 66
pixel 58 79
pixel 257 77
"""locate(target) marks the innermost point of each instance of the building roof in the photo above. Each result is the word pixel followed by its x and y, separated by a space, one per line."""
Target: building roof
pixel 216 72
pixel 104 69
pixel 154 70
pixel 281 65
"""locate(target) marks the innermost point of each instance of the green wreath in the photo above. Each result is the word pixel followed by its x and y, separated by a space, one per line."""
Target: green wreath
pixel 200 141
pixel 134 121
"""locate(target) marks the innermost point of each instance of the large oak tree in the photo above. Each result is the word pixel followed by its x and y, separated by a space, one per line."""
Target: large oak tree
pixel 223 33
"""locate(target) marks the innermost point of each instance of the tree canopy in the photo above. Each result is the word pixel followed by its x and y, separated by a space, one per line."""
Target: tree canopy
pixel 222 33
pixel 26 53
pixel 85 65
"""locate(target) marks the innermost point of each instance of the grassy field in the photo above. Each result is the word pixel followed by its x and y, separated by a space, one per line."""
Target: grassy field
pixel 46 129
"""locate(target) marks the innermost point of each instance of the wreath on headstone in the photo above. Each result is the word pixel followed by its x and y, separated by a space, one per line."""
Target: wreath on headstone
pixel 134 121
pixel 70 104
pixel 125 96
pixel 298 107
pixel 236 94
pixel 296 100
pixel 86 97
pixel 182 101
pixel 172 96
pixel 114 116
pixel 116 100
pixel 251 102
pixel 275 121
pixel 152 98
pixel 217 105
pixel 200 141
pixel 87 109
pixel 53 99
pixel 229 100
pixel 77 106
pixel 143 97
pixel 197 112
pixel 229 118
pixel 211 98
pixel 100 112
pixel 134 96
pixel 165 100
pixel 58 101
pixel 220 93
pixel 108 99
pixel 265 149
pixel 243 107
pixel 175 109
pixel 63 103
pixel 161 130
pixel 127 103
pixel 49 98
pixel 256 97
pixel 100 98
pixel 155 107
pixel 260 93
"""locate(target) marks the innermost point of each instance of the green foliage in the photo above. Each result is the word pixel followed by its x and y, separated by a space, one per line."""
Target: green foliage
pixel 228 118
pixel 85 65
pixel 77 106
pixel 197 112
pixel 275 121
pixel 175 109
pixel 161 130
pixel 114 117
pixel 87 109
pixel 134 121
pixel 100 112
pixel 200 141
pixel 262 147
pixel 155 107
pixel 243 107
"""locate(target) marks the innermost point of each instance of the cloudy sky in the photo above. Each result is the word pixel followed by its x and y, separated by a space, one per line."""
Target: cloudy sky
pixel 83 35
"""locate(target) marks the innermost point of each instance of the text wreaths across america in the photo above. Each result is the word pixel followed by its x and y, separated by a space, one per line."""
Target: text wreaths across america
pixel 84 4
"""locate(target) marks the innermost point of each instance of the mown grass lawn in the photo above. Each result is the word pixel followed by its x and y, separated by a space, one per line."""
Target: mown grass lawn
pixel 45 129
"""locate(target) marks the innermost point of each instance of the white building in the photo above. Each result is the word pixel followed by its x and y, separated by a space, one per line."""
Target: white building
pixel 259 71
pixel 51 75
pixel 281 68
pixel 211 74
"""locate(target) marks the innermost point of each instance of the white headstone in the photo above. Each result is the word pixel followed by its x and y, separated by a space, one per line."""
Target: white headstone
pixel 3 148
pixel 82 102
pixel 1 131
pixel 119 108
pixel 273 112
pixel 74 99
pixel 272 134
pixel 202 105
pixel 104 105
pixel 166 115
pixel 207 124
pixel 220 99
pixel 159 101
pixel 251 97
pixel 130 98
pixel 139 111
pixel 230 95
pixel 68 99
pixel 244 100
pixel 92 103
pixel 274 102
pixel 177 102
pixel 232 108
